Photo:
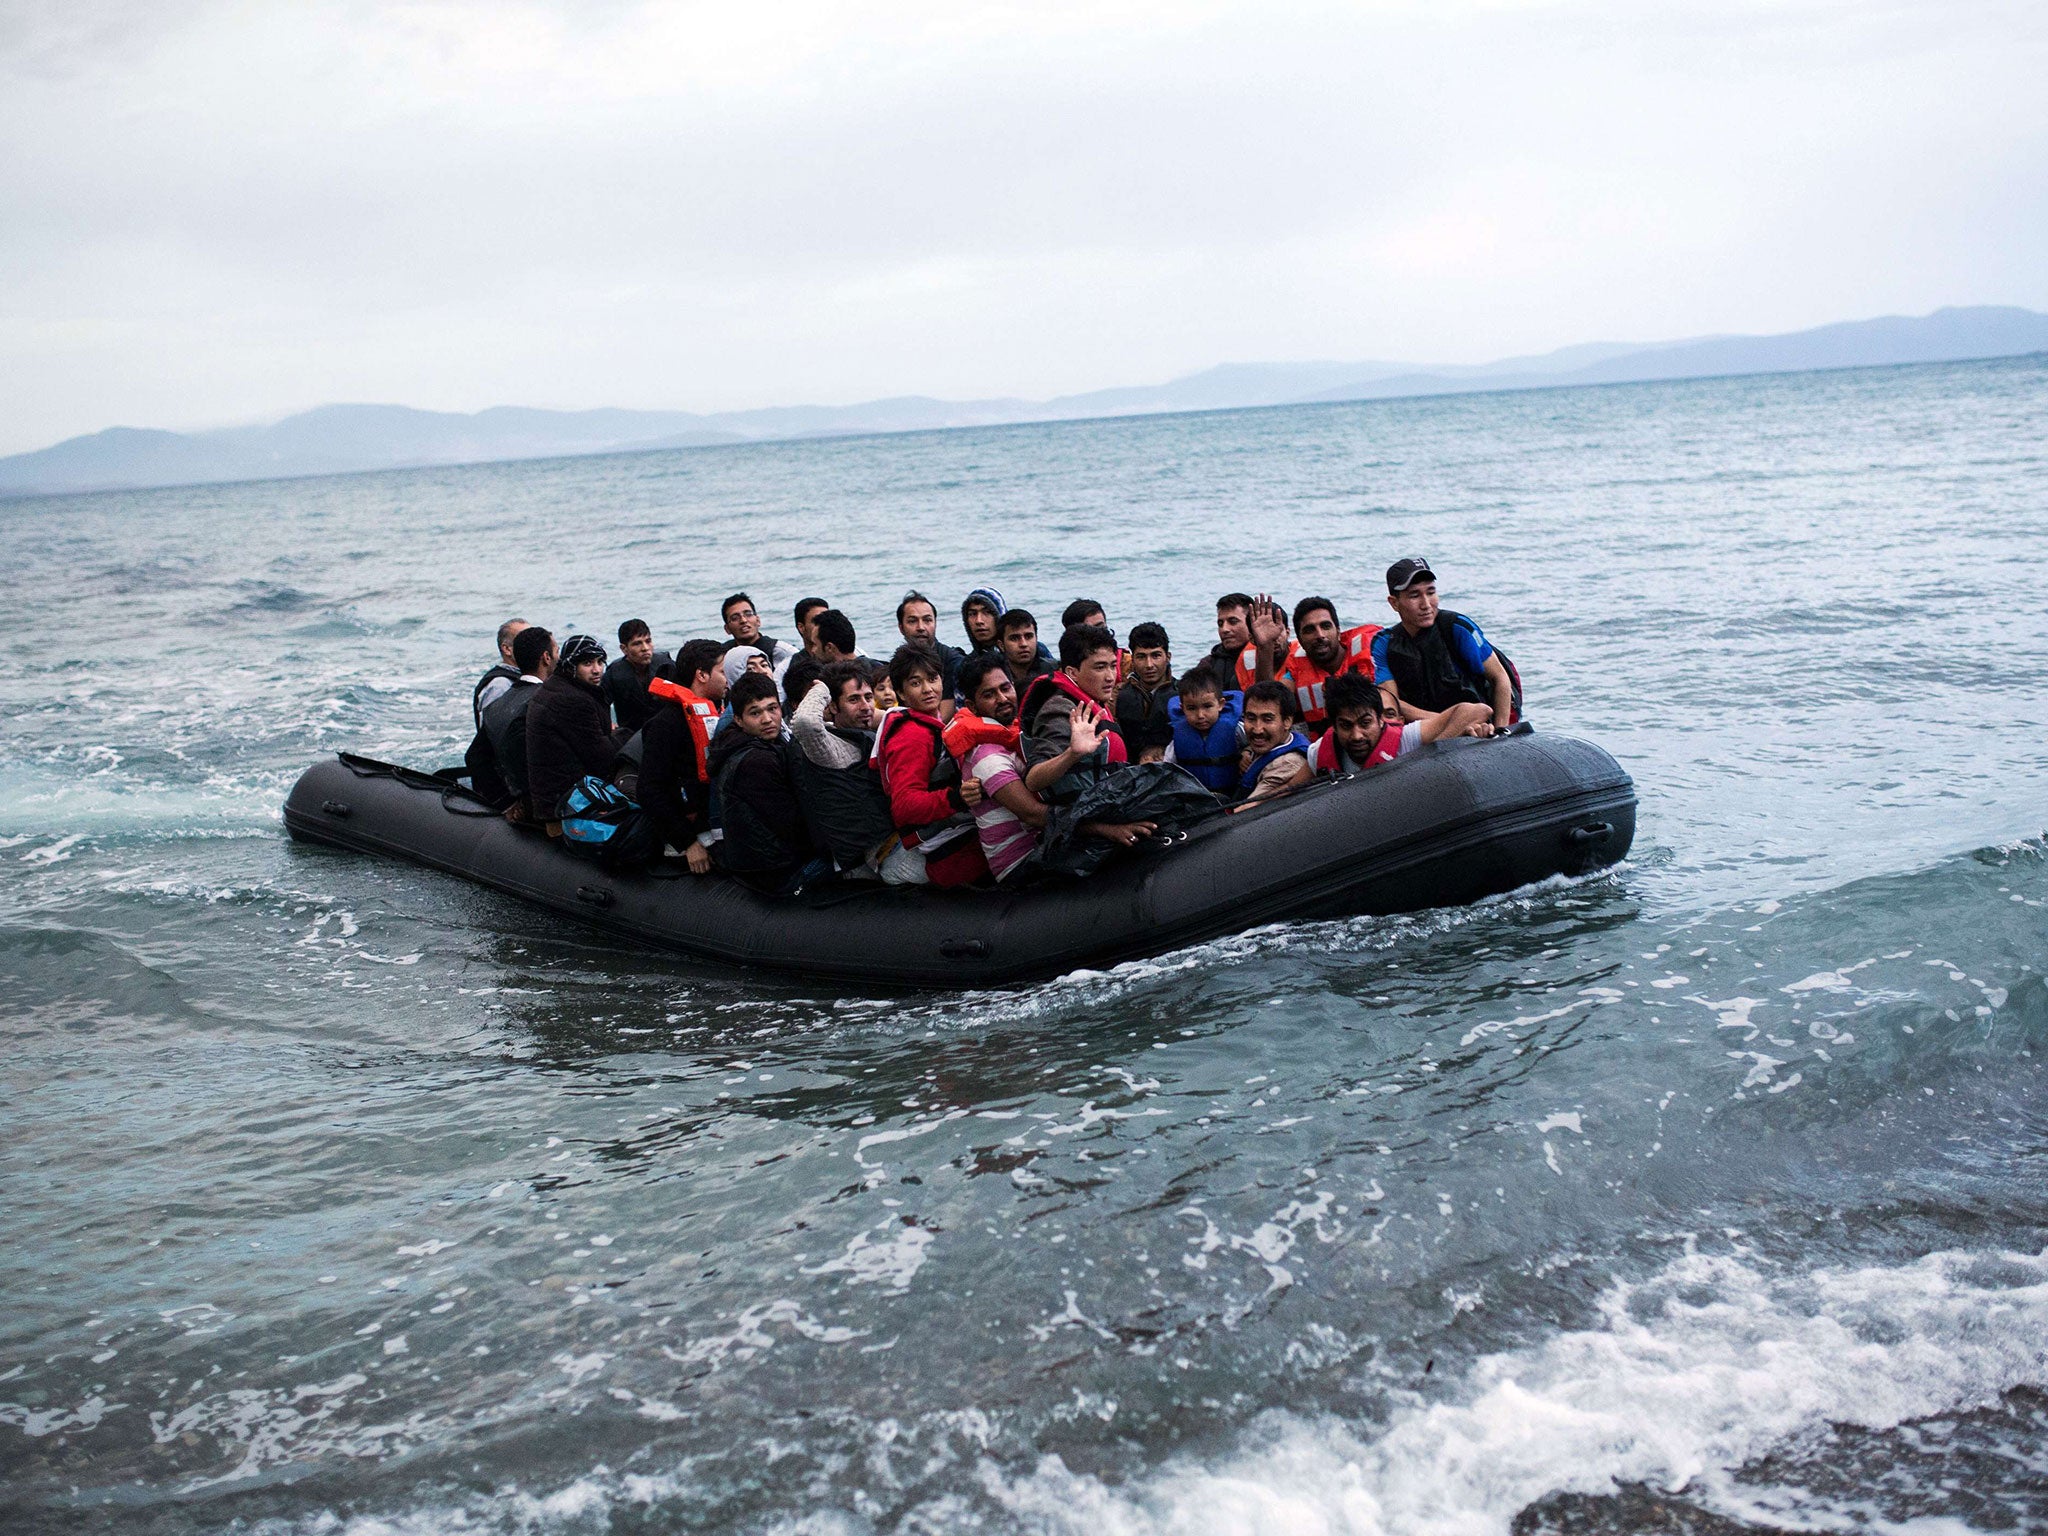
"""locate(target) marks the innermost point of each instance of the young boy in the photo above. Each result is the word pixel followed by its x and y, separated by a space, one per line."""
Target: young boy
pixel 1205 721
pixel 885 689
pixel 1362 736
pixel 1147 694
pixel 1274 751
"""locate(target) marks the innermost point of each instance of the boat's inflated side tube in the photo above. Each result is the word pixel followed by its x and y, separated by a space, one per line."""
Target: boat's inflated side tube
pixel 1440 826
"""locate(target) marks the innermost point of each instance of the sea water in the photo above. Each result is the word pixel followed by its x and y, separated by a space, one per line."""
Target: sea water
pixel 340 1196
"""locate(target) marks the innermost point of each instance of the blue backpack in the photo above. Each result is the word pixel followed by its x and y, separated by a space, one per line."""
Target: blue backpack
pixel 594 812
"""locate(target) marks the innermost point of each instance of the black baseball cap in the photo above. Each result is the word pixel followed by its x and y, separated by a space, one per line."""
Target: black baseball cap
pixel 1403 574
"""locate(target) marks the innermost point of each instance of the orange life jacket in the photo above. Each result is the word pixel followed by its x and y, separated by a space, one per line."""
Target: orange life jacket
pixel 1307 679
pixel 1247 667
pixel 699 712
pixel 967 730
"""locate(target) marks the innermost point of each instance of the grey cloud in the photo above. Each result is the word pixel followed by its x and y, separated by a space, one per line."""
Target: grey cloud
pixel 234 211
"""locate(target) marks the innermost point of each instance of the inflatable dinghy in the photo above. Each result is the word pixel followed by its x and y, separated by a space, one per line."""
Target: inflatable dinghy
pixel 1437 827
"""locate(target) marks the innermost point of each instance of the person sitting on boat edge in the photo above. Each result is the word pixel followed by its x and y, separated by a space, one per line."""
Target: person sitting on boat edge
pixel 625 680
pixel 917 621
pixel 502 673
pixel 743 625
pixel 1144 700
pixel 1083 687
pixel 1323 649
pixel 849 813
pixel 1435 658
pixel 832 642
pixel 675 751
pixel 1206 721
pixel 1274 751
pixel 983 739
pixel 1021 652
pixel 497 755
pixel 1363 734
pixel 929 801
pixel 568 730
pixel 765 840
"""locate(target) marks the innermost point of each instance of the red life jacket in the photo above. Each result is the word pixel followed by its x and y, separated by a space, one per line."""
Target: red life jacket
pixel 950 818
pixel 1327 757
pixel 1307 679
pixel 698 712
pixel 1388 747
pixel 967 730
pixel 1042 688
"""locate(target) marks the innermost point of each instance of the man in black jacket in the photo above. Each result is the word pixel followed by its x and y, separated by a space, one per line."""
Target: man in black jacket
pixel 675 777
pixel 625 680
pixel 497 756
pixel 917 620
pixel 568 732
pixel 766 842
pixel 1141 717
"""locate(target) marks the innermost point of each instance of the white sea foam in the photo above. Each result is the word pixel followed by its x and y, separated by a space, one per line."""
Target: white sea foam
pixel 1686 1377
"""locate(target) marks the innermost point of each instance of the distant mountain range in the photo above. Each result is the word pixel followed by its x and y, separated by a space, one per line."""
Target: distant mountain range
pixel 336 439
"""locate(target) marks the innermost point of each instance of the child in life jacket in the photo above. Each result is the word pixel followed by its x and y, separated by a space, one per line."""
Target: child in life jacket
pixel 1205 721
pixel 1275 753
pixel 1363 735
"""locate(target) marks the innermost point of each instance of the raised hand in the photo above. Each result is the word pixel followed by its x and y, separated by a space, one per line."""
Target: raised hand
pixel 1087 732
pixel 1268 624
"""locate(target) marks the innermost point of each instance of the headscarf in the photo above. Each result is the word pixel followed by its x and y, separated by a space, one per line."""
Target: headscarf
pixel 736 661
pixel 577 649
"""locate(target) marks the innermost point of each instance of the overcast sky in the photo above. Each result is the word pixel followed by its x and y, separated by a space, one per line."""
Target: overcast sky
pixel 213 213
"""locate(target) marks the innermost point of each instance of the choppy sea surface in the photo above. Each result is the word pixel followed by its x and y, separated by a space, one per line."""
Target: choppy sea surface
pixel 1707 1194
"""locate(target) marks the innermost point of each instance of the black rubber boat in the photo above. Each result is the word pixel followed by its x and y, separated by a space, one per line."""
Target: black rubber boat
pixel 1435 828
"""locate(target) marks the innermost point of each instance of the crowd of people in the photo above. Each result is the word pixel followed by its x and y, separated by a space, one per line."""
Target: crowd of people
pixel 784 762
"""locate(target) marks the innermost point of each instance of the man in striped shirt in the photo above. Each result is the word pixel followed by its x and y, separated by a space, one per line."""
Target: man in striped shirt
pixel 983 737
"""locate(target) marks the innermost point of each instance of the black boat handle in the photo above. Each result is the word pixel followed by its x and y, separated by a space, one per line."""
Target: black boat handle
pixel 965 949
pixel 335 808
pixel 1592 832
pixel 594 895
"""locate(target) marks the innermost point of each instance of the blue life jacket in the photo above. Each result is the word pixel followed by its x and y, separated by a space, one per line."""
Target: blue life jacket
pixel 1250 777
pixel 1211 758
